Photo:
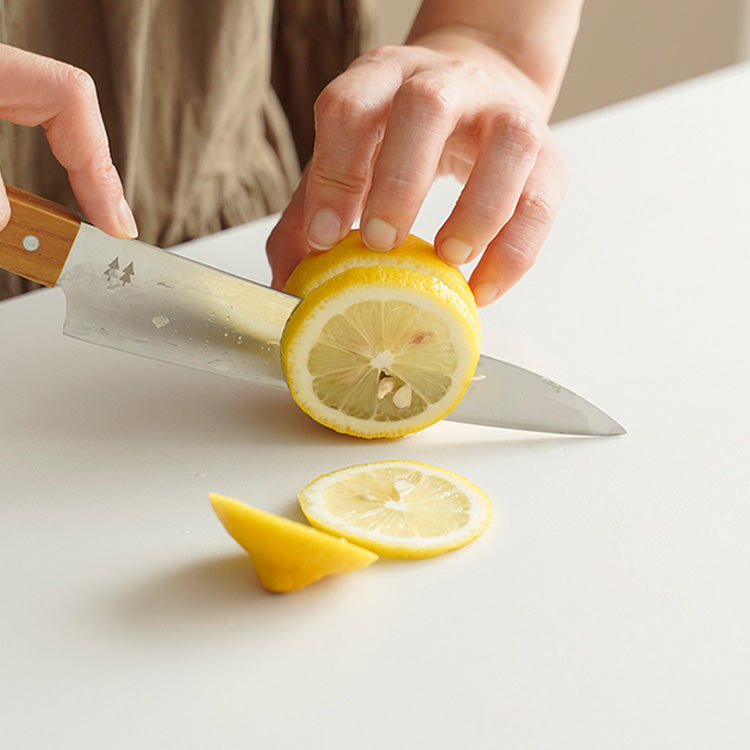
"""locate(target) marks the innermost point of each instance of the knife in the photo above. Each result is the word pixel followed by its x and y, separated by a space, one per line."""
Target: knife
pixel 136 298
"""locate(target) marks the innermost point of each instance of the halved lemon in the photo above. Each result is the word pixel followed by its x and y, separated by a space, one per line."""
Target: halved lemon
pixel 378 351
pixel 287 555
pixel 398 508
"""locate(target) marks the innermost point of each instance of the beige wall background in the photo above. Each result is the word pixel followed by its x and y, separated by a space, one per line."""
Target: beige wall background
pixel 629 47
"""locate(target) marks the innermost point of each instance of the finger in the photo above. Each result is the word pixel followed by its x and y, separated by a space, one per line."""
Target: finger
pixel 4 205
pixel 424 113
pixel 287 245
pixel 350 117
pixel 509 143
pixel 515 249
pixel 78 140
pixel 36 90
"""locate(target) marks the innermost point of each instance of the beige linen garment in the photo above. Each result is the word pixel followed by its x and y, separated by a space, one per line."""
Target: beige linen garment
pixel 207 103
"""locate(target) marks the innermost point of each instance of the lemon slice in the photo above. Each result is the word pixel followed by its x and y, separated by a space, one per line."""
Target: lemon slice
pixel 413 253
pixel 287 555
pixel 380 351
pixel 398 508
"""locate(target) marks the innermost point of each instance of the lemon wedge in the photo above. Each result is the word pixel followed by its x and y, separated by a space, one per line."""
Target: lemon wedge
pixel 380 351
pixel 287 555
pixel 398 508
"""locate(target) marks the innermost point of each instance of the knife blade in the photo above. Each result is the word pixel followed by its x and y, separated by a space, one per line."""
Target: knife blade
pixel 136 298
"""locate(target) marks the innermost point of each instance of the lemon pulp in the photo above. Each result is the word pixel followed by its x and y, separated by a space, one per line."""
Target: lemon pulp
pixel 380 351
pixel 398 508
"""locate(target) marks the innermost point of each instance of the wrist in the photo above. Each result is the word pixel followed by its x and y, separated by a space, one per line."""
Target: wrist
pixel 537 46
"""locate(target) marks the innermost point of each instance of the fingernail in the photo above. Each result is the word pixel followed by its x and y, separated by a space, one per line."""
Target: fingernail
pixel 485 294
pixel 379 235
pixel 455 251
pixel 127 220
pixel 324 230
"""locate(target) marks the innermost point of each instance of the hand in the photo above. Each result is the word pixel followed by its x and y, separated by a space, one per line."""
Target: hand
pixel 36 90
pixel 394 120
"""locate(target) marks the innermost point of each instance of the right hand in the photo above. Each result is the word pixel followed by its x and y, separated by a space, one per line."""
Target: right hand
pixel 36 90
pixel 396 118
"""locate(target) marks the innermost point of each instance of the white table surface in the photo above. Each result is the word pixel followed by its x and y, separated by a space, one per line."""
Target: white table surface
pixel 607 607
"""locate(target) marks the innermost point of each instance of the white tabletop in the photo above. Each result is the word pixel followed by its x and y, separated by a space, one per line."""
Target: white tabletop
pixel 608 605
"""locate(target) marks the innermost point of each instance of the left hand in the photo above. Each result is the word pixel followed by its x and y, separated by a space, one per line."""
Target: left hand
pixel 394 120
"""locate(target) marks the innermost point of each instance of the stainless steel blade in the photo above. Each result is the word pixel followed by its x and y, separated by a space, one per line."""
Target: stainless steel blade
pixel 505 395
pixel 133 297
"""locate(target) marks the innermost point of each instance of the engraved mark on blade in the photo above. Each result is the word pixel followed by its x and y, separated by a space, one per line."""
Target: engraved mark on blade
pixel 127 274
pixel 113 270
pixel 117 279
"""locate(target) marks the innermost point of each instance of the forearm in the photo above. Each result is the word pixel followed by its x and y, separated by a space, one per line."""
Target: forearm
pixel 535 36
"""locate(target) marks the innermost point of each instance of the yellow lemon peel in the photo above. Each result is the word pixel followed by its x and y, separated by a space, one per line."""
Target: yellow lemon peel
pixel 287 555
pixel 380 351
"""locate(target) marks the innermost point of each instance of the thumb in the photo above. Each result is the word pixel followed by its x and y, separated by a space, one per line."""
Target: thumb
pixel 287 243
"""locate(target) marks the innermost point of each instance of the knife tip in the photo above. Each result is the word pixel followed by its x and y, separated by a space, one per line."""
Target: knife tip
pixel 614 429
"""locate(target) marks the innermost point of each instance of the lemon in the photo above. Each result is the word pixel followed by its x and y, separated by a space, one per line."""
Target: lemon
pixel 413 253
pixel 398 508
pixel 379 351
pixel 287 555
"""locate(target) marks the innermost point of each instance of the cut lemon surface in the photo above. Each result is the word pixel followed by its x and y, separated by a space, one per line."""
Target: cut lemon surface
pixel 380 351
pixel 287 555
pixel 398 508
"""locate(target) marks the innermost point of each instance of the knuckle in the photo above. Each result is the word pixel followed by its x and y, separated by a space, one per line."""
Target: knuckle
pixel 384 53
pixel 433 95
pixel 490 213
pixel 520 260
pixel 535 207
pixel 328 178
pixel 401 186
pixel 78 82
pixel 101 168
pixel 529 228
pixel 519 128
pixel 344 109
pixel 519 255
pixel 465 71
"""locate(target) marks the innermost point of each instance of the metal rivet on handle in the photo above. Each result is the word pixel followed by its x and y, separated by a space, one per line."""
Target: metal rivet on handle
pixel 30 243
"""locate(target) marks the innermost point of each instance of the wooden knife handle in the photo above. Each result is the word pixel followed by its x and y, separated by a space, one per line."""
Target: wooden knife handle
pixel 36 242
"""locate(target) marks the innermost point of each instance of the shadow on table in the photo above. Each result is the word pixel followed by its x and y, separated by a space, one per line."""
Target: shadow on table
pixel 156 402
pixel 198 598
pixel 205 589
pixel 204 600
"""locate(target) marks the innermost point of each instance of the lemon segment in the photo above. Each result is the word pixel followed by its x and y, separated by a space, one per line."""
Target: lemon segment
pixel 402 509
pixel 287 555
pixel 380 351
